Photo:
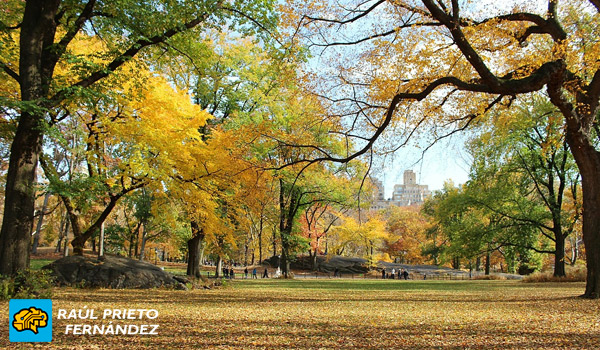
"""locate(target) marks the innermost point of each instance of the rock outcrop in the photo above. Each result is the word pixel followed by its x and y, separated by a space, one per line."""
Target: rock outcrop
pixel 110 272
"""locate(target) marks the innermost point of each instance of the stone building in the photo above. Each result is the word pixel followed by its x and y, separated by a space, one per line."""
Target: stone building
pixel 406 194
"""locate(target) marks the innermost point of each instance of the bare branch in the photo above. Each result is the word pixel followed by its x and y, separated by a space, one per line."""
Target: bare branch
pixel 350 20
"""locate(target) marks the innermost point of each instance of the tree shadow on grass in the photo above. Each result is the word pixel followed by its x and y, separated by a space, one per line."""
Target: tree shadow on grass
pixel 191 333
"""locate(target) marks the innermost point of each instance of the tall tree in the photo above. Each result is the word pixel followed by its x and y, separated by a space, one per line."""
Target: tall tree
pixel 46 29
pixel 529 153
pixel 451 52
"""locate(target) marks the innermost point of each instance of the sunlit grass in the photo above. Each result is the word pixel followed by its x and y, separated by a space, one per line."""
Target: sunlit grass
pixel 36 264
pixel 345 314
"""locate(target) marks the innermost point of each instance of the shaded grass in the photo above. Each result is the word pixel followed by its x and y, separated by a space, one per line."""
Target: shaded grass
pixel 37 264
pixel 344 314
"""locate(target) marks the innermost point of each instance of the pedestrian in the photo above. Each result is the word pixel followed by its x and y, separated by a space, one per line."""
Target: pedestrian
pixel 399 274
pixel 231 273
pixel 245 273
pixel 405 274
pixel 254 273
pixel 382 273
pixel 265 274
pixel 393 274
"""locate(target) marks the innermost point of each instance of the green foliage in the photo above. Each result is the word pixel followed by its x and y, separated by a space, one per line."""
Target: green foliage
pixel 114 238
pixel 37 264
pixel 27 284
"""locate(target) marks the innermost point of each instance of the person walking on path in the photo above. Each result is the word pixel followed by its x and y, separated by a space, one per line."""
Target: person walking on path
pixel 254 273
pixel 265 274
pixel 383 274
pixel 245 273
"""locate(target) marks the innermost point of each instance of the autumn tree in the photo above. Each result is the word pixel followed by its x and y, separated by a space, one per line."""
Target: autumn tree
pixel 231 78
pixel 45 31
pixel 420 61
pixel 365 237
pixel 316 223
pixel 527 157
pixel 407 239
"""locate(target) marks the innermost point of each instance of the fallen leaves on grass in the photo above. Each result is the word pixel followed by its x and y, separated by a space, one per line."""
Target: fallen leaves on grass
pixel 343 315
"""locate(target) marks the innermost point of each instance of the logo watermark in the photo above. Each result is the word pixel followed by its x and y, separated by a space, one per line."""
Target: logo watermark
pixel 30 320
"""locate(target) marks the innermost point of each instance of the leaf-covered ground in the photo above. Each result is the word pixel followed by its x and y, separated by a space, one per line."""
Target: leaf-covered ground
pixel 342 314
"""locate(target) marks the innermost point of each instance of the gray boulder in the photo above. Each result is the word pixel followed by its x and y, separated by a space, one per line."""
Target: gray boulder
pixel 110 272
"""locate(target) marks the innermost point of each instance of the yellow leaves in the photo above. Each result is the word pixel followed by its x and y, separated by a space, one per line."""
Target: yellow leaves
pixel 344 314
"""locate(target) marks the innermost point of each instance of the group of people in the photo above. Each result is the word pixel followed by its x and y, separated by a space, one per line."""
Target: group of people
pixel 392 275
pixel 254 276
pixel 229 273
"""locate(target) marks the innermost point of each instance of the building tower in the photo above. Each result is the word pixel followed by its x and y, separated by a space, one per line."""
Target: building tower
pixel 410 178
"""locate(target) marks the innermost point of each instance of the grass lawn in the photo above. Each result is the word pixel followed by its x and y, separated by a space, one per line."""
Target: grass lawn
pixel 341 314
pixel 36 264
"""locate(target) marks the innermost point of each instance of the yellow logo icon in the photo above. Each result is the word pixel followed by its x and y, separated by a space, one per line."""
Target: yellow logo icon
pixel 30 319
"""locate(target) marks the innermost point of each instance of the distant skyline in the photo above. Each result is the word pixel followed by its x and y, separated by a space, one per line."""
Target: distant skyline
pixel 446 160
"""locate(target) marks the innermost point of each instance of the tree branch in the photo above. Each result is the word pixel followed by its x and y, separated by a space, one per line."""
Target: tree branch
pixel 350 20
pixel 10 72
pixel 60 48
pixel 124 57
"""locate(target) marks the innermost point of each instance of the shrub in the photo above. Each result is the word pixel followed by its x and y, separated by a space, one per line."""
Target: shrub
pixel 27 284
pixel 574 274
pixel 491 277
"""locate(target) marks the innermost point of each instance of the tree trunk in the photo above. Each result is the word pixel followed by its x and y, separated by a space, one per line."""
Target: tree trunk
pixel 487 263
pixel 246 247
pixel 574 250
pixel 274 241
pixel 219 269
pixel 66 247
pixel 456 263
pixel 591 230
pixel 287 212
pixel 144 238
pixel 38 229
pixel 61 234
pixel 38 29
pixel 202 248
pixel 131 238
pixel 19 203
pixel 588 162
pixel 260 232
pixel 559 255
pixel 137 242
pixel 284 262
pixel 194 245
pixel 81 238
pixel 314 261
pixel 195 250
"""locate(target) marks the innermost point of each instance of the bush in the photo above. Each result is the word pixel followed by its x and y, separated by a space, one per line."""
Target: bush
pixel 574 274
pixel 27 284
pixel 491 277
